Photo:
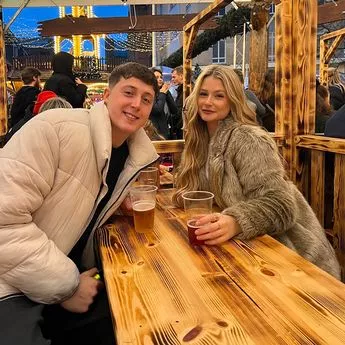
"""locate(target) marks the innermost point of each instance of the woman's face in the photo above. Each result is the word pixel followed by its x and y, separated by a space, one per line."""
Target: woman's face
pixel 213 102
pixel 159 78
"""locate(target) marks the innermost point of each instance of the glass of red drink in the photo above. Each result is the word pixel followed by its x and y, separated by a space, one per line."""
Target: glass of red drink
pixel 196 205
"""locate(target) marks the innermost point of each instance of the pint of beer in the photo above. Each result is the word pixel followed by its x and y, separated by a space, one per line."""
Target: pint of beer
pixel 143 198
pixel 144 215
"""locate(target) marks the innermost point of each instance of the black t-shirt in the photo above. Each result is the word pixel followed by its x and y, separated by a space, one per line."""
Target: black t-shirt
pixel 117 161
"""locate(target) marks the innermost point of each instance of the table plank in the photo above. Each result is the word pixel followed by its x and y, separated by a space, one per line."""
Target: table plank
pixel 163 291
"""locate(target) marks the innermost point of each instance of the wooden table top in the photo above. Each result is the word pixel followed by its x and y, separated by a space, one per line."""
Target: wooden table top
pixel 163 291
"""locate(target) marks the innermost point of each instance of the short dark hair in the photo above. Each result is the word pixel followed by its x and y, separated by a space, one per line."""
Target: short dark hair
pixel 155 69
pixel 28 74
pixel 133 70
pixel 178 69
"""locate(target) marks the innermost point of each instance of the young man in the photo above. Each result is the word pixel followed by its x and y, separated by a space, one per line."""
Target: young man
pixel 177 80
pixel 62 176
pixel 26 95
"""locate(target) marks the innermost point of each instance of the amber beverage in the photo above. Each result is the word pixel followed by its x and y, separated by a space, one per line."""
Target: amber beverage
pixel 144 215
pixel 191 233
pixel 143 200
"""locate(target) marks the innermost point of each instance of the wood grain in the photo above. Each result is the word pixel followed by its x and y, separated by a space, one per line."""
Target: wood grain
pixel 339 211
pixel 317 188
pixel 163 291
pixel 258 59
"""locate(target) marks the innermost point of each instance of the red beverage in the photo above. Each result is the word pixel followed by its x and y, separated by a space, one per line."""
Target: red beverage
pixel 191 233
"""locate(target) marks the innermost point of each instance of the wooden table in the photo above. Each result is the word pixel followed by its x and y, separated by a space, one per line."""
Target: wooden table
pixel 163 291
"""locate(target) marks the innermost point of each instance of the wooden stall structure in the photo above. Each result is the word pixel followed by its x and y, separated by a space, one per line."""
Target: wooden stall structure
pixel 328 45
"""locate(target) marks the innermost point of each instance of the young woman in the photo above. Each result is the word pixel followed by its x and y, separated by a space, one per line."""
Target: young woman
pixel 164 110
pixel 227 153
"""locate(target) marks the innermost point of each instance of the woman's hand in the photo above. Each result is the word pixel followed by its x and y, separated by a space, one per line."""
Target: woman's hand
pixel 217 228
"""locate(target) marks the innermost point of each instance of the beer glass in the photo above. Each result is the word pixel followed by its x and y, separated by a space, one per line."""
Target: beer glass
pixel 143 198
pixel 149 176
pixel 196 205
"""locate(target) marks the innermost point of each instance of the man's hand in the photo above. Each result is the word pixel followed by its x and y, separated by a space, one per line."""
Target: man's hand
pixel 126 207
pixel 78 81
pixel 165 88
pixel 84 296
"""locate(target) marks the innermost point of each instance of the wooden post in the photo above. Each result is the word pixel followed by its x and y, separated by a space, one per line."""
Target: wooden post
pixel 3 91
pixel 190 30
pixel 296 72
pixel 188 42
pixel 258 59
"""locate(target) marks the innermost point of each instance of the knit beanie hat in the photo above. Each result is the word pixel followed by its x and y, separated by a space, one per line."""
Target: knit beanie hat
pixel 41 98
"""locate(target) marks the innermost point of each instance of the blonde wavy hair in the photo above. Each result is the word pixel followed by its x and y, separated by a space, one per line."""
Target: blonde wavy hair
pixel 334 78
pixel 195 152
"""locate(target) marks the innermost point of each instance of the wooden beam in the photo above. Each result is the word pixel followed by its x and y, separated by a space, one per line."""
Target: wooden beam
pixel 333 34
pixel 298 77
pixel 317 184
pixel 331 12
pixel 326 51
pixel 190 31
pixel 258 59
pixel 323 67
pixel 3 91
pixel 339 211
pixel 188 41
pixel 321 143
pixel 146 23
pixel 333 47
pixel 207 13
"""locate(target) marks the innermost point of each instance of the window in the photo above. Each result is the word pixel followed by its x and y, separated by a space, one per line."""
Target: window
pixel 218 52
pixel 272 9
pixel 221 12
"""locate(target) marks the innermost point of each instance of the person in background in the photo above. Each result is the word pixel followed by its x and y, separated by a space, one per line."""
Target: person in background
pixel 64 83
pixel 27 94
pixel 228 154
pixel 152 132
pixel 335 125
pixel 164 110
pixel 267 98
pixel 36 108
pixel 259 108
pixel 323 108
pixel 336 88
pixel 61 177
pixel 177 80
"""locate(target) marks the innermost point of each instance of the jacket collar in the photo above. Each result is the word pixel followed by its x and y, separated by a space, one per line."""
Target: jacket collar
pixel 218 142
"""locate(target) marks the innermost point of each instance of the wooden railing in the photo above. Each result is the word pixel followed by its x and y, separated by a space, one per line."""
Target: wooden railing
pixel 43 63
pixel 323 184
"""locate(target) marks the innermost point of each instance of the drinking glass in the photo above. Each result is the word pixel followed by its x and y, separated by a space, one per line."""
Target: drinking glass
pixel 143 198
pixel 196 205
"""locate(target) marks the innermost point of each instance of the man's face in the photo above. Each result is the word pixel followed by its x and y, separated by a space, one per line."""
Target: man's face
pixel 176 79
pixel 129 103
pixel 37 82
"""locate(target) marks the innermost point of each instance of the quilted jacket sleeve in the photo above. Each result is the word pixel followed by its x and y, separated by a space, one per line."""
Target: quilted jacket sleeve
pixel 29 261
pixel 269 206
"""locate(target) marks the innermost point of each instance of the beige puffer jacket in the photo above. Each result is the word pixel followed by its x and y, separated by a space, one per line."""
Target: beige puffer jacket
pixel 50 177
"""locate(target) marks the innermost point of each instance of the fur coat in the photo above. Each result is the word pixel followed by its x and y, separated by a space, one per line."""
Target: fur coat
pixel 246 174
